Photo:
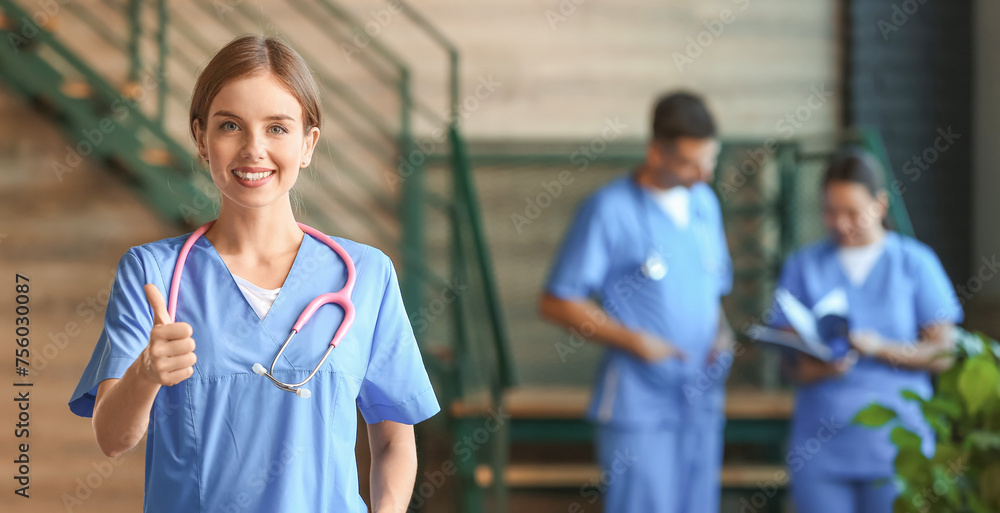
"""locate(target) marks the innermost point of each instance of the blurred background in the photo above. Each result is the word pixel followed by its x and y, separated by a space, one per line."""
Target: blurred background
pixel 458 137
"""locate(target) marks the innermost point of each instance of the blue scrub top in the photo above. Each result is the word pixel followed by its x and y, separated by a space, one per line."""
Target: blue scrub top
pixel 612 234
pixel 907 289
pixel 228 440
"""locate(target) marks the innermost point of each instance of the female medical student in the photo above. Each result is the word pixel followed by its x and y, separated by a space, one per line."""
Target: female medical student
pixel 220 437
pixel 901 308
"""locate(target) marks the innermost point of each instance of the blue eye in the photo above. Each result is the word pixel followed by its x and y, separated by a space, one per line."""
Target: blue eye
pixel 227 123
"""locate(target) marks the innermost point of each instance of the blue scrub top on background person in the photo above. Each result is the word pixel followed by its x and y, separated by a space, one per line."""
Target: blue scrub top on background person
pixel 655 418
pixel 906 290
pixel 603 254
pixel 226 439
pixel 650 248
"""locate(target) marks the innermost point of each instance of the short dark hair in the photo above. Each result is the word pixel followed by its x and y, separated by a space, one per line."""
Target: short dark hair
pixel 856 165
pixel 682 114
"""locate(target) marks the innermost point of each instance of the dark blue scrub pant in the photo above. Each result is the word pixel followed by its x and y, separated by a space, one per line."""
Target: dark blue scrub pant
pixel 816 492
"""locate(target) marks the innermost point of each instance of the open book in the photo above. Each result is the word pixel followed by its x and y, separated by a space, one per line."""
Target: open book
pixel 821 332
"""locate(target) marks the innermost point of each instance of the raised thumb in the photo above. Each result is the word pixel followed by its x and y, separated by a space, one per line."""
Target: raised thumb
pixel 159 306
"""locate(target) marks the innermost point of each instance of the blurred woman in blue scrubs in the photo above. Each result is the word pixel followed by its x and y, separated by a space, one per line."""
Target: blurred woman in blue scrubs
pixel 220 438
pixel 902 309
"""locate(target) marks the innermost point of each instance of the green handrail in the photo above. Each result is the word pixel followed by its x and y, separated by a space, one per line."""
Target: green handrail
pixel 448 46
pixel 394 60
pixel 161 44
pixel 871 139
pixel 135 34
pixel 465 194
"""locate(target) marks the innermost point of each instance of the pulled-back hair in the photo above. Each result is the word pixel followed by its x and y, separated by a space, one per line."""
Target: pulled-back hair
pixel 251 55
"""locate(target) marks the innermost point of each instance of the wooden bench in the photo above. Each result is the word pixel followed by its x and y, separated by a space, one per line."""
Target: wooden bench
pixel 557 415
pixel 575 475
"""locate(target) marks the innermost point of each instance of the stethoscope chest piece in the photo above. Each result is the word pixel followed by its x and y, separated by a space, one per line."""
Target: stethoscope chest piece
pixel 341 298
pixel 654 267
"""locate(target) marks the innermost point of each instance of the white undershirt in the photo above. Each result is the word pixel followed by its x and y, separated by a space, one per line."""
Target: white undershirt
pixel 259 298
pixel 676 202
pixel 857 261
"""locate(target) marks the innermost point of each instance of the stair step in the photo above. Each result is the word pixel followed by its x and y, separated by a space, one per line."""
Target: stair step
pixel 553 402
pixel 575 475
pixel 77 89
pixel 156 157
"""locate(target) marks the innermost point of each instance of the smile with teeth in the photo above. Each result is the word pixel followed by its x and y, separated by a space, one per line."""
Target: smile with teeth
pixel 253 176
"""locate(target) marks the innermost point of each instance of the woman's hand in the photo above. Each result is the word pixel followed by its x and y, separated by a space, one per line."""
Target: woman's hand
pixel 810 370
pixel 122 406
pixel 169 358
pixel 867 342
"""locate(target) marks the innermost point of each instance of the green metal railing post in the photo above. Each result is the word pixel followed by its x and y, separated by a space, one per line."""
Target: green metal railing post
pixel 787 158
pixel 134 37
pixel 161 40
pixel 465 192
pixel 412 199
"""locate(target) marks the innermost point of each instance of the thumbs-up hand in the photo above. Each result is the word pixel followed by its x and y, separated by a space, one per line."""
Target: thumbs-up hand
pixel 169 358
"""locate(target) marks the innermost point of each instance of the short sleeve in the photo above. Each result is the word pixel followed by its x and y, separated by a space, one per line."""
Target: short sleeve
pixel 127 323
pixel 934 297
pixel 396 386
pixel 791 279
pixel 584 257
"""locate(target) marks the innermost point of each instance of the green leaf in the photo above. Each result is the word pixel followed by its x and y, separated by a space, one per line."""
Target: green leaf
pixel 903 437
pixel 941 426
pixel 968 344
pixel 978 382
pixel 946 454
pixel 975 505
pixel 874 415
pixel 947 385
pixel 914 465
pixel 988 479
pixel 912 396
pixel 945 484
pixel 984 440
pixel 902 504
pixel 942 406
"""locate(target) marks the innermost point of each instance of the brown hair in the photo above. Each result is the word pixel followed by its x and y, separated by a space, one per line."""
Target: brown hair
pixel 856 165
pixel 251 55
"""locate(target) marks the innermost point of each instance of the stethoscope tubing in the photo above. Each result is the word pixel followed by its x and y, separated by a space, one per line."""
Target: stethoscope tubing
pixel 342 298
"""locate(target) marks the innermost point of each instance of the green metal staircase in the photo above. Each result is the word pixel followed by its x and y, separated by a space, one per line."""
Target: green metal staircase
pixel 123 100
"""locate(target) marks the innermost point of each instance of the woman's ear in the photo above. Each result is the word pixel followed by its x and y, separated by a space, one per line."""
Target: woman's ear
pixel 199 138
pixel 309 144
pixel 883 200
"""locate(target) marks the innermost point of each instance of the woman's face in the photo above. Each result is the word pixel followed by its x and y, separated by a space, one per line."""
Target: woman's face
pixel 254 141
pixel 852 216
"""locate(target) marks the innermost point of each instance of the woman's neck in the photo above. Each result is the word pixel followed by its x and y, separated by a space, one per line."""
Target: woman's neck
pixel 257 233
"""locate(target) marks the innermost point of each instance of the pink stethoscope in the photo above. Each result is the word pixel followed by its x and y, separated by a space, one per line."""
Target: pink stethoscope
pixel 342 298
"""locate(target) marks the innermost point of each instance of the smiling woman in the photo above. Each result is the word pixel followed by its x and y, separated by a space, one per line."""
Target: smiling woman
pixel 255 119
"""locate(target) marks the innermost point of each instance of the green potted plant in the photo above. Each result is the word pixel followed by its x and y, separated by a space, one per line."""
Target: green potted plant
pixel 963 476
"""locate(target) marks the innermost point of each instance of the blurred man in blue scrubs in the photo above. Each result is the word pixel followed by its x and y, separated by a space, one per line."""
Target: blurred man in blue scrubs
pixel 641 271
